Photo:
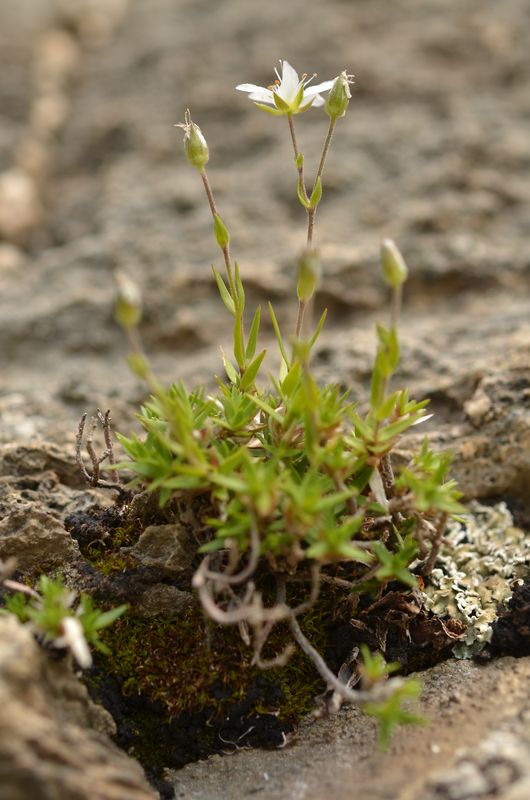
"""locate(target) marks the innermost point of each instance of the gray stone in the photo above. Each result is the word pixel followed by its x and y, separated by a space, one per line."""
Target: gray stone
pixel 35 539
pixel 163 600
pixel 53 740
pixel 169 548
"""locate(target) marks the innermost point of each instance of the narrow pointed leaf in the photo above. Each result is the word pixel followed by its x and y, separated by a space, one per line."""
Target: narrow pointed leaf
pixel 239 288
pixel 302 195
pixel 253 335
pixel 278 335
pixel 318 329
pixel 233 377
pixel 249 376
pixel 223 291
pixel 316 194
pixel 239 344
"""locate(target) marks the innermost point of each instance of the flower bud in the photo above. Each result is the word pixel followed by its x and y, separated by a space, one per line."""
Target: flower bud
pixel 195 145
pixel 339 96
pixel 308 275
pixel 394 268
pixel 128 309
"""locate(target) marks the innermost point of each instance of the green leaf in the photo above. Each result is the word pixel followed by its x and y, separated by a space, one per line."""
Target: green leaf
pixel 377 393
pixel 223 291
pixel 229 482
pixel 278 336
pixel 318 329
pixel 291 380
pixel 249 375
pixel 239 288
pixel 221 232
pixel 316 194
pixel 233 377
pixel 267 408
pixel 390 713
pixel 253 335
pixel 239 344
pixel 386 407
pixel 108 617
pixel 302 196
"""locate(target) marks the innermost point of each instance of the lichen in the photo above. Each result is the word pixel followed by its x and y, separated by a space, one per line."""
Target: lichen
pixel 483 558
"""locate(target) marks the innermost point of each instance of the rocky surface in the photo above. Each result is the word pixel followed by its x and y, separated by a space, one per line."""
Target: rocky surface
pixel 476 747
pixel 54 742
pixel 433 152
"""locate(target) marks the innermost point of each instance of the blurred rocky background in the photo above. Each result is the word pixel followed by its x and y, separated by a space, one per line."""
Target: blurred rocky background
pixel 433 152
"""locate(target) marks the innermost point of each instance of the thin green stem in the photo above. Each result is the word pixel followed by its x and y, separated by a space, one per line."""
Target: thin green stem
pixel 325 150
pixel 302 305
pixel 306 308
pixel 299 167
pixel 397 294
pixel 226 250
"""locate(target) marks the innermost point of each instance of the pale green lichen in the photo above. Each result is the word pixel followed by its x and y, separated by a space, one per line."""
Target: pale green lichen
pixel 484 557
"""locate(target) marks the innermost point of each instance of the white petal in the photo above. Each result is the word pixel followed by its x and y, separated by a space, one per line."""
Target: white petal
pixel 289 83
pixel 262 96
pixel 250 87
pixel 320 87
pixel 317 100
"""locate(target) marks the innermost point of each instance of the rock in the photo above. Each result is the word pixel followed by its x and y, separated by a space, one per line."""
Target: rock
pixel 35 539
pixel 53 739
pixel 498 767
pixel 162 600
pixel 468 750
pixel 169 548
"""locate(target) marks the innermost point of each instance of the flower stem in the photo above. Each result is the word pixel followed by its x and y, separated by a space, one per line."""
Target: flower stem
pixel 325 150
pixel 305 307
pixel 396 305
pixel 226 249
pixel 302 305
pixel 299 167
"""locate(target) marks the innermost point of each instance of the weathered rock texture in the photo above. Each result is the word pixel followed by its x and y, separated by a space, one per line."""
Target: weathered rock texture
pixel 476 747
pixel 54 742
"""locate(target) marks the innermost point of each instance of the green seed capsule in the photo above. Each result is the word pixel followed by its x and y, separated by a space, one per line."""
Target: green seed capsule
pixel 339 97
pixel 195 145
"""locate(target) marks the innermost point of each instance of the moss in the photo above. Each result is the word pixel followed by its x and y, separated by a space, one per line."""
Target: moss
pixel 188 664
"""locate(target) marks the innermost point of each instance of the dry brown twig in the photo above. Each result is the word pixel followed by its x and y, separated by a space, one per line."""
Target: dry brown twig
pixel 94 478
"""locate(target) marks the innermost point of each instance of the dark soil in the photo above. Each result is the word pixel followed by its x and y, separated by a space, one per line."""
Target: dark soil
pixel 511 630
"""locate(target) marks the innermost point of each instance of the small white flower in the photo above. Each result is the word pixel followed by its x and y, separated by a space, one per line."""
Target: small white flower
pixel 289 94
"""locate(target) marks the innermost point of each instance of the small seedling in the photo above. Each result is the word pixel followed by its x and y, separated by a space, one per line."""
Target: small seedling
pixel 58 617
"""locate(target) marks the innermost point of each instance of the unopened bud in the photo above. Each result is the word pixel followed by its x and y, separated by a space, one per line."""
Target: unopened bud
pixel 339 96
pixel 195 145
pixel 394 268
pixel 128 309
pixel 308 275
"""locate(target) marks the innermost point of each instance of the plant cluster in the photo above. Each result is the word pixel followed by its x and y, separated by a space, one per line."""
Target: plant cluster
pixel 57 616
pixel 299 475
